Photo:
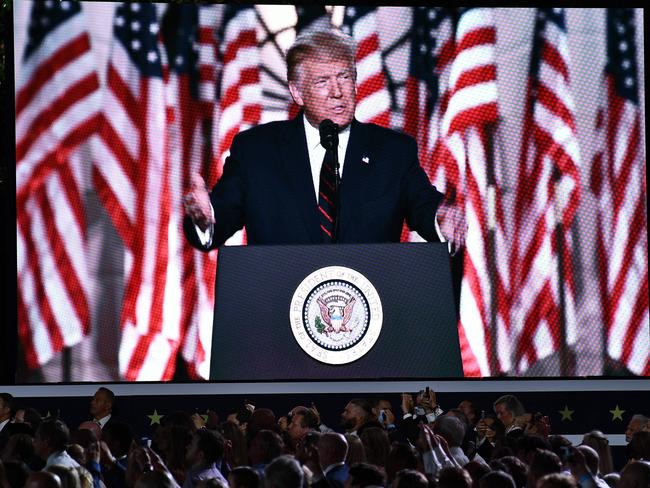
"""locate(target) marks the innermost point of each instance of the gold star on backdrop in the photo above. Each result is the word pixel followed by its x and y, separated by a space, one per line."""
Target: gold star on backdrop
pixel 617 413
pixel 566 413
pixel 155 417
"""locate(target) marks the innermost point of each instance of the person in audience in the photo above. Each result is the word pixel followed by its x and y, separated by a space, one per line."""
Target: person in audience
pixel 599 442
pixel 612 479
pixel 357 415
pixel 376 445
pixel 101 406
pixel 476 471
pixel 543 462
pixel 16 473
pixel 507 408
pixel 264 448
pixel 635 474
pixel 6 409
pixel 591 461
pixel 516 468
pixel 356 451
pixel 639 446
pixel 43 479
pixel 402 456
pixel 303 420
pixel 244 477
pixel 284 472
pixel 490 435
pixel 204 456
pixel 497 479
pixel 637 423
pixel 237 455
pixel 332 450
pixel 50 442
pixel 29 416
pixel 68 476
pixel 364 475
pixel 453 431
pixel 410 478
pixel 557 480
pixel 454 477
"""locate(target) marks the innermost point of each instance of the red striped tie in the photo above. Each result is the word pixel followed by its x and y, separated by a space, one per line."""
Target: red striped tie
pixel 327 197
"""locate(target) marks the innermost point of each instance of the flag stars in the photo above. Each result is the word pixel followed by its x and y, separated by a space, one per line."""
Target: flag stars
pixel 135 26
pixel 620 28
pixel 119 21
pixel 432 14
pixel 65 5
pixel 152 57
pixel 623 46
pixel 179 60
pixel 49 4
pixel 153 28
pixel 352 12
pixel 135 7
pixel 135 44
pixel 629 82
pixel 626 63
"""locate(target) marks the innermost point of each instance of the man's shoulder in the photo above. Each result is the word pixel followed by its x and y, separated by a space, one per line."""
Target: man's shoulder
pixel 269 130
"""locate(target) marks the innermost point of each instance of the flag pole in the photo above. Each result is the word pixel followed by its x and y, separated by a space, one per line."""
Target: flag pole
pixel 566 364
pixel 490 130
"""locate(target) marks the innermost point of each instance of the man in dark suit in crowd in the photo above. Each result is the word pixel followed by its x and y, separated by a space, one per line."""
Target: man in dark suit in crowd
pixel 271 182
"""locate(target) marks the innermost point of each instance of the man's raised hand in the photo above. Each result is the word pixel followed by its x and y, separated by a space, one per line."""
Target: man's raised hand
pixel 197 203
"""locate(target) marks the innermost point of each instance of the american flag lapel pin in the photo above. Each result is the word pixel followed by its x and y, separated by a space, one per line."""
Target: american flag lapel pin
pixel 365 160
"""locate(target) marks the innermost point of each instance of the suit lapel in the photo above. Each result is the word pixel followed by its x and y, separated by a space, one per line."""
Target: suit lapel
pixel 353 174
pixel 296 168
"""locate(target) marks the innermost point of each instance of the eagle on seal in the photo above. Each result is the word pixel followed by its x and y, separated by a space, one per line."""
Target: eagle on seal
pixel 335 316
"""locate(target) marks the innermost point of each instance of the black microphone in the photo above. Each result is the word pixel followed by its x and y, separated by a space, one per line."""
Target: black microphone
pixel 329 134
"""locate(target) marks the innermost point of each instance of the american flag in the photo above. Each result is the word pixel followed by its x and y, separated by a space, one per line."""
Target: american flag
pixel 472 113
pixel 240 95
pixel 191 73
pixel 57 105
pixel 618 181
pixel 373 98
pixel 548 194
pixel 132 177
pixel 427 96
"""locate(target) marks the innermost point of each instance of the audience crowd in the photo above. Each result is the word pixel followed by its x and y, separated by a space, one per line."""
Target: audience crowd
pixel 419 445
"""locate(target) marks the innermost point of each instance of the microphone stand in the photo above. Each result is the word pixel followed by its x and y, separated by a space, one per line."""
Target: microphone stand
pixel 337 184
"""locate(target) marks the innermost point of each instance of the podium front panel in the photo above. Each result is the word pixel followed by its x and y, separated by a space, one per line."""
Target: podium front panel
pixel 252 337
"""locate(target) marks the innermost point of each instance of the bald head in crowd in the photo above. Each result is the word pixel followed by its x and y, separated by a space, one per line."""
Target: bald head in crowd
pixel 43 479
pixel 637 423
pixel 332 448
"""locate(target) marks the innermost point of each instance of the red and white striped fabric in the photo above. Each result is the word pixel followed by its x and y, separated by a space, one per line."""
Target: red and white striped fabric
pixel 546 202
pixel 618 182
pixel 472 112
pixel 131 174
pixel 373 98
pixel 57 105
pixel 190 79
pixel 427 96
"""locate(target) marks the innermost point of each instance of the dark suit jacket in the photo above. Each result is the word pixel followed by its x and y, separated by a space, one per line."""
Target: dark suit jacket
pixel 267 187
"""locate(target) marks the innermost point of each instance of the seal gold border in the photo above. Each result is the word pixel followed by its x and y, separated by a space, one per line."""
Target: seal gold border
pixel 303 290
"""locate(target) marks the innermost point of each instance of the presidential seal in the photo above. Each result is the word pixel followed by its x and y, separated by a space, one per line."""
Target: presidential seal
pixel 336 315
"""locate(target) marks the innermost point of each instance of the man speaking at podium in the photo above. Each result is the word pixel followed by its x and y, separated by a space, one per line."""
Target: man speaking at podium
pixel 322 177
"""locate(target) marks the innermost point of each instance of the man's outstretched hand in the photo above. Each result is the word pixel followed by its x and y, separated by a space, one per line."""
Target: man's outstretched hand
pixel 197 203
pixel 451 219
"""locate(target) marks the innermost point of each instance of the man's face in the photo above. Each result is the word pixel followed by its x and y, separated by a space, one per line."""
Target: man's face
pixel 295 429
pixel 504 415
pixel 325 89
pixel 634 426
pixel 466 407
pixel 5 411
pixel 351 416
pixel 100 406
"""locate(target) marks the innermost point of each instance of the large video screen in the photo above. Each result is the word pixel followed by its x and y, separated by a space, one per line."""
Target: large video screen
pixel 530 121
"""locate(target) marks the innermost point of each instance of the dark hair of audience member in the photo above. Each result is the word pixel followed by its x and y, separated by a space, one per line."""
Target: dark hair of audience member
pixel 543 462
pixel 635 474
pixel 410 478
pixel 528 445
pixel 496 479
pixel 283 472
pixel 211 444
pixel 557 442
pixel 476 471
pixel 243 477
pixel 32 417
pixel 451 428
pixel 453 477
pixel 376 445
pixel 178 418
pixel 118 436
pixel 265 446
pixel 401 457
pixel 84 437
pixel 504 450
pixel 356 451
pixel 591 458
pixel 19 447
pixel 16 473
pixel 261 418
pixel 516 468
pixel 557 480
pixel 639 446
pixel 76 452
pixel 178 439
pixel 612 479
pixel 238 450
pixel 366 474
pixel 55 432
pixel 599 442
pixel 308 417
